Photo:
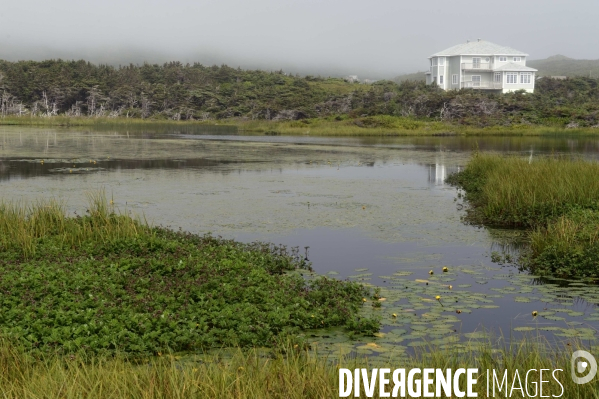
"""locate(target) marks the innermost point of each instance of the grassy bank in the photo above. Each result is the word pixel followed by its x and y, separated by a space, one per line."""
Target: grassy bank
pixel 104 283
pixel 567 245
pixel 556 198
pixel 73 121
pixel 343 125
pixel 384 125
pixel 290 374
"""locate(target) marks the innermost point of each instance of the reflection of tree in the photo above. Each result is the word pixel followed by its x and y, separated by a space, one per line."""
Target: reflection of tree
pixel 27 168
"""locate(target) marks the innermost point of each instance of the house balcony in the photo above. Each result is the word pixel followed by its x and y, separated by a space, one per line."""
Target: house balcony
pixel 482 85
pixel 477 66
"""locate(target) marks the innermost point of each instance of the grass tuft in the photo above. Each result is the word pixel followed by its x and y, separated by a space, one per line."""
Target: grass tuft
pixel 285 374
pixel 555 198
pixel 519 192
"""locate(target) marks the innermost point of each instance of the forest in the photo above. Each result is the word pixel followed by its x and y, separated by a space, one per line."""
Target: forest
pixel 176 91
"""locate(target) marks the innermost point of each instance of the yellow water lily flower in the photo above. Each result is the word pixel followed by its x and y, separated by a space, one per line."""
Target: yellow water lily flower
pixel 431 272
pixel 394 315
pixel 445 269
pixel 438 297
pixel 535 313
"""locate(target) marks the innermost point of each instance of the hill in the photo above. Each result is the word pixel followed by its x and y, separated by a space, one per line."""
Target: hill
pixel 559 65
pixel 416 76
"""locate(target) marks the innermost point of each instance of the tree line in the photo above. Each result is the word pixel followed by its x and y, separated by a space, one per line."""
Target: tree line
pixel 196 92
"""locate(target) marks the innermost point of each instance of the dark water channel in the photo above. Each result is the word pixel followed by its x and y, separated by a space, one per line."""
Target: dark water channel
pixel 375 210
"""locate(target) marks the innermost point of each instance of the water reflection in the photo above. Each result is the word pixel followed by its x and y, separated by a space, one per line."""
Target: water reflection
pixel 437 173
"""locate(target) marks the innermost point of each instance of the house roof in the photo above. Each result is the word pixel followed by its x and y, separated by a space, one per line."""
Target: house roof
pixel 479 47
pixel 510 66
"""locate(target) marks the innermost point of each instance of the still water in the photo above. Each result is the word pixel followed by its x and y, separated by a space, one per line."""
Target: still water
pixel 375 210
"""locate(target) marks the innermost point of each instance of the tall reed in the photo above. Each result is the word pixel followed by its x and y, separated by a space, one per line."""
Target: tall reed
pixel 519 192
pixel 25 226
pixel 290 374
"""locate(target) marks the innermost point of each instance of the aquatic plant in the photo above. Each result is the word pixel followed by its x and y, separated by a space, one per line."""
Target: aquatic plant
pixel 105 282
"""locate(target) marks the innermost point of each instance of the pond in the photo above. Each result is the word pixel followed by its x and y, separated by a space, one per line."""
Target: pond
pixel 375 210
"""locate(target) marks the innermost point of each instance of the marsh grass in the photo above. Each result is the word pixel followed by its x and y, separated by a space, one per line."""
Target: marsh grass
pixel 556 198
pixel 23 225
pixel 282 374
pixel 68 121
pixel 518 192
pixel 341 125
pixel 568 245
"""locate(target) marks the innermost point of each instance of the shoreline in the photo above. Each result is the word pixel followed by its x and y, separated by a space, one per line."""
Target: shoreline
pixel 382 126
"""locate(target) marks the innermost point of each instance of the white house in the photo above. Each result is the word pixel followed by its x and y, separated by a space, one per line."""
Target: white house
pixel 481 65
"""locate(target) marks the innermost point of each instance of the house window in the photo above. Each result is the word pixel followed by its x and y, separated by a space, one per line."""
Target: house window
pixel 475 62
pixel 517 59
pixel 476 81
pixel 440 79
pixel 525 77
pixel 511 77
pixel 434 61
pixel 441 61
pixel 497 77
pixel 454 79
pixel 502 59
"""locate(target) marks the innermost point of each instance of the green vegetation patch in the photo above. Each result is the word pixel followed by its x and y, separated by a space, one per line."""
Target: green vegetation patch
pixel 568 245
pixel 107 283
pixel 518 192
pixel 556 198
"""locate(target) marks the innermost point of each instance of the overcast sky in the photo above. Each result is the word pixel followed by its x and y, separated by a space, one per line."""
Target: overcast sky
pixel 373 39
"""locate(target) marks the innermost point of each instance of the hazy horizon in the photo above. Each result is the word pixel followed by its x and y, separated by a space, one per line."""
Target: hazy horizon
pixel 378 39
